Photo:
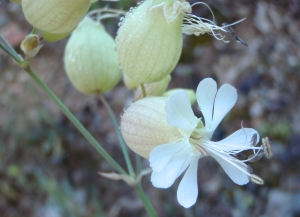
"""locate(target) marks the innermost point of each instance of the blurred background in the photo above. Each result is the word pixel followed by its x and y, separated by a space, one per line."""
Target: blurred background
pixel 48 169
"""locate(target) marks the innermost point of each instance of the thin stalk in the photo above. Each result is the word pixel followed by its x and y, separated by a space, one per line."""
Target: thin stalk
pixel 34 30
pixel 119 135
pixel 10 51
pixel 143 90
pixel 145 200
pixel 2 38
pixel 138 163
pixel 75 121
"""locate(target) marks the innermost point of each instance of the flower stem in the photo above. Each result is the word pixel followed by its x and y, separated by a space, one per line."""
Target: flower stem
pixel 143 90
pixel 119 135
pixel 75 121
pixel 33 30
pixel 145 200
pixel 4 45
pixel 138 163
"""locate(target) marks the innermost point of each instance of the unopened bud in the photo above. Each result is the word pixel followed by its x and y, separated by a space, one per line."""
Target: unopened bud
pixel 149 40
pixel 31 45
pixel 153 89
pixel 90 59
pixel 191 93
pixel 55 16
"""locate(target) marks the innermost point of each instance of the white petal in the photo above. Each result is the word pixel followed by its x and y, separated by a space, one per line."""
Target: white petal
pixel 161 155
pixel 179 111
pixel 236 170
pixel 238 139
pixel 174 168
pixel 187 192
pixel 206 93
pixel 225 100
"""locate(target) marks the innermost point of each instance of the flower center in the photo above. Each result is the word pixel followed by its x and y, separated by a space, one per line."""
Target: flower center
pixel 195 140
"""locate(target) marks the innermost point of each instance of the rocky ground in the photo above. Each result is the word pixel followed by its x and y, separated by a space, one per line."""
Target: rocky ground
pixel 48 169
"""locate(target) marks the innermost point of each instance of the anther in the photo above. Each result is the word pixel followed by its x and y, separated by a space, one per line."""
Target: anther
pixel 257 180
pixel 267 147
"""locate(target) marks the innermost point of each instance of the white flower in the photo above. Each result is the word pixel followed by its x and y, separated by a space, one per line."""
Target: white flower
pixel 169 161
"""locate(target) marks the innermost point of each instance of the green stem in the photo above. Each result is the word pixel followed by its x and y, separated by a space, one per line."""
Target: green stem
pixel 119 135
pixel 143 90
pixel 138 163
pixel 75 121
pixel 9 50
pixel 33 30
pixel 145 200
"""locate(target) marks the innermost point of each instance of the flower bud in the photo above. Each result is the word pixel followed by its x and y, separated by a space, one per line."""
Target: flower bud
pixel 55 16
pixel 31 45
pixel 90 59
pixel 191 93
pixel 144 125
pixel 149 40
pixel 153 89
pixel 130 83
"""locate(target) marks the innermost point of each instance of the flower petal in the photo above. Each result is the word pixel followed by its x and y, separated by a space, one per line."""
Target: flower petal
pixel 161 155
pixel 206 93
pixel 187 192
pixel 179 111
pixel 239 139
pixel 225 100
pixel 235 169
pixel 177 164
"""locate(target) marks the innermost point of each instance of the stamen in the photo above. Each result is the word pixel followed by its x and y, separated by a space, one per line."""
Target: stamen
pixel 201 149
pixel 231 149
pixel 257 180
pixel 238 164
pixel 193 25
pixel 255 157
pixel 108 13
pixel 267 147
